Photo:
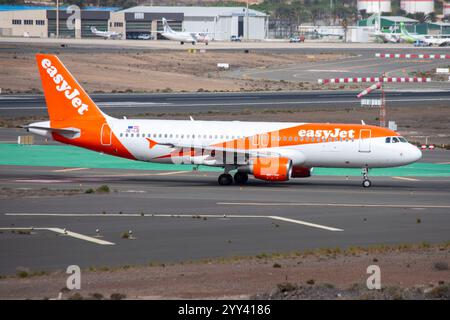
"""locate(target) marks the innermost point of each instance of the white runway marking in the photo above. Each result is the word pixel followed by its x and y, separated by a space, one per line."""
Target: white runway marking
pixel 70 169
pixel 443 163
pixel 325 70
pixel 404 178
pixel 331 205
pixel 66 233
pixel 41 181
pixel 169 173
pixel 296 221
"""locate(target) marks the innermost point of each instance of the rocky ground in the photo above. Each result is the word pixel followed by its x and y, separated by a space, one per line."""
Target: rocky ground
pixel 123 70
pixel 407 272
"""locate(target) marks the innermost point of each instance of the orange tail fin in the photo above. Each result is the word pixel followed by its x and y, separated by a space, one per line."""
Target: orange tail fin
pixel 65 98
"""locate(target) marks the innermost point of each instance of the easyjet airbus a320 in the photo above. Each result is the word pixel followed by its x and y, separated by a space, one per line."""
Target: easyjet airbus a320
pixel 271 151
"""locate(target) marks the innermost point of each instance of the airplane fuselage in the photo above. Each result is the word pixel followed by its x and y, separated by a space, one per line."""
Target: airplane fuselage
pixel 306 144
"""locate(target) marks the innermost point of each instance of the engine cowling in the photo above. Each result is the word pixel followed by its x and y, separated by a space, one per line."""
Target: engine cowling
pixel 301 172
pixel 269 169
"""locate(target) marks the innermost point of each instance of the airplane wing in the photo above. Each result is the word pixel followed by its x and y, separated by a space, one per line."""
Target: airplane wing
pixel 251 152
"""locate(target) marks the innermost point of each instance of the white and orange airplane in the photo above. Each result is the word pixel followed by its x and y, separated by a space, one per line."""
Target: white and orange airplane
pixel 271 151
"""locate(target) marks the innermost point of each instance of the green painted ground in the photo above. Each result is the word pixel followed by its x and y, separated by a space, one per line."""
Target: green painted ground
pixel 68 156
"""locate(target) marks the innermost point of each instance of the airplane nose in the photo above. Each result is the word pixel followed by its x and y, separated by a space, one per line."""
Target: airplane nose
pixel 414 153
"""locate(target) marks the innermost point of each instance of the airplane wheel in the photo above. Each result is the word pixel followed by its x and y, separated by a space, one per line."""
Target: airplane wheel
pixel 206 43
pixel 367 183
pixel 193 43
pixel 181 42
pixel 225 179
pixel 240 178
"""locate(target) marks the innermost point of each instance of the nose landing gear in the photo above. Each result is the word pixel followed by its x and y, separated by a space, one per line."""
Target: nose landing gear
pixel 366 182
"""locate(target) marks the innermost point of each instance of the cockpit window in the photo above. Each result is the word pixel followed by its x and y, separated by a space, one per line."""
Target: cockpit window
pixel 402 139
pixel 388 140
pixel 395 140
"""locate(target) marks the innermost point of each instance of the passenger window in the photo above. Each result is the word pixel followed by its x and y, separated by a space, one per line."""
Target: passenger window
pixel 121 134
pixel 388 140
pixel 126 135
pixel 132 135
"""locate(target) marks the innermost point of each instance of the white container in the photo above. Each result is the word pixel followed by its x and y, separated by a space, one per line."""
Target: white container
pixel 414 6
pixel 374 6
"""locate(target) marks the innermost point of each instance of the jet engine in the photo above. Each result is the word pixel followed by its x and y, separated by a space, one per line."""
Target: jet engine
pixel 269 169
pixel 301 172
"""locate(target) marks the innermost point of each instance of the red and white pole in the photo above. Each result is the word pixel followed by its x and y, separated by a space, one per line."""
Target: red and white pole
pixel 412 56
pixel 369 90
pixel 374 79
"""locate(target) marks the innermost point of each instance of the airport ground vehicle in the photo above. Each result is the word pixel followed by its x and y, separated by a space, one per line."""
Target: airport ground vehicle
pixel 419 43
pixel 271 151
pixel 295 39
pixel 235 38
pixel 145 36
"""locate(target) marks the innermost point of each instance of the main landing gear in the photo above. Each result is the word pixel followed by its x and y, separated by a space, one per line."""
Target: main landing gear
pixel 366 182
pixel 240 178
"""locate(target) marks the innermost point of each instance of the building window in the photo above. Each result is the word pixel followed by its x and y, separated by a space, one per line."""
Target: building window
pixel 16 21
pixel 138 15
pixel 118 24
pixel 28 22
pixel 40 22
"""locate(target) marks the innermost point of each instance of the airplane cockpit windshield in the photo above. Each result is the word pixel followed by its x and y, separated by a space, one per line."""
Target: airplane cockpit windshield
pixel 395 140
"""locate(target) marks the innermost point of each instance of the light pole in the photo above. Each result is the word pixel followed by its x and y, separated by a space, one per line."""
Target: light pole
pixel 246 22
pixel 57 18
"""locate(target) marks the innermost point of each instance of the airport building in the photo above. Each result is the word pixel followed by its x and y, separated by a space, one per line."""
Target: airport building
pixel 391 23
pixel 41 22
pixel 219 22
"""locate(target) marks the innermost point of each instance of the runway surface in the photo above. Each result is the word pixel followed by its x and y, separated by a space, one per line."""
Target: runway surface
pixel 176 216
pixel 138 104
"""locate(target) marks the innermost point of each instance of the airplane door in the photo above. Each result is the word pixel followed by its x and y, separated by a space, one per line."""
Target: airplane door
pixel 364 140
pixel 106 135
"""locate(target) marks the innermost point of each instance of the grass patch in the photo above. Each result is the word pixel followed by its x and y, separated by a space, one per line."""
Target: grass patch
pixel 118 296
pixel 103 189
